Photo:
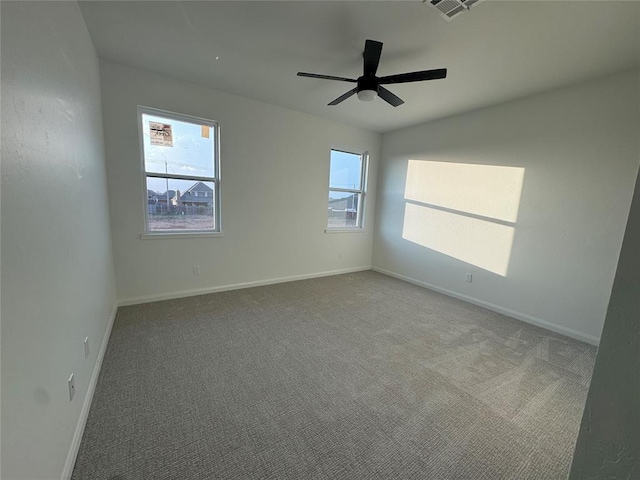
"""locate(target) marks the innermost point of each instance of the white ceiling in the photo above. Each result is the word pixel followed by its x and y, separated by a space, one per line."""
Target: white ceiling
pixel 499 51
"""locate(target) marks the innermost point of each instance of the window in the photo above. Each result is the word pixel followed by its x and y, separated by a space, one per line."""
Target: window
pixel 181 172
pixel 347 179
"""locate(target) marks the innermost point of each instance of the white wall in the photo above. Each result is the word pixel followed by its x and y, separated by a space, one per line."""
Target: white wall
pixel 541 236
pixel 609 438
pixel 274 170
pixel 57 275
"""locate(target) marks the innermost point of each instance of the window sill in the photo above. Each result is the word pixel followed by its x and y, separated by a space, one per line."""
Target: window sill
pixel 164 236
pixel 344 230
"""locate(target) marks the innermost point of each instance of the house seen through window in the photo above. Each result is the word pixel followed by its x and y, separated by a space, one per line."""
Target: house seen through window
pixel 347 178
pixel 181 165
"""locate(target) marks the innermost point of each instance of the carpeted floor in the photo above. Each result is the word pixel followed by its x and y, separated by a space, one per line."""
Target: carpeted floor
pixel 357 376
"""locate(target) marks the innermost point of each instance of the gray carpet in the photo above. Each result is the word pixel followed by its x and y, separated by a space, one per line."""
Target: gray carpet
pixel 356 376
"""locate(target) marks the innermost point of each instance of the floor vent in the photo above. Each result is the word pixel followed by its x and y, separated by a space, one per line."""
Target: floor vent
pixel 450 9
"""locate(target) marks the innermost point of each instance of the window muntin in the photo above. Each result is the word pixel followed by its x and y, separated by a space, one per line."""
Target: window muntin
pixel 181 172
pixel 347 172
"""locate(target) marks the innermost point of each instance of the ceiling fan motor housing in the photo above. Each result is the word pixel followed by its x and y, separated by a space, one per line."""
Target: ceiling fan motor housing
pixel 368 82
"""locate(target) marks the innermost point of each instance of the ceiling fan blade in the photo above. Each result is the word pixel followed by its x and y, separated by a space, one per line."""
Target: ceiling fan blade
pixel 389 97
pixel 372 52
pixel 414 76
pixel 342 98
pixel 326 77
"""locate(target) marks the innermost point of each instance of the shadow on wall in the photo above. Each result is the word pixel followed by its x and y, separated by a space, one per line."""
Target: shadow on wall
pixel 466 211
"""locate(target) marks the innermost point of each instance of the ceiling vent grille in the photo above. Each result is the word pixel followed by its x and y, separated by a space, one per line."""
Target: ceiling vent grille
pixel 450 9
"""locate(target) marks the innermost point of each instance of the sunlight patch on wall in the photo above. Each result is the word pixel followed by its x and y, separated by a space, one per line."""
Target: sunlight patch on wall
pixel 484 244
pixel 488 190
pixel 466 211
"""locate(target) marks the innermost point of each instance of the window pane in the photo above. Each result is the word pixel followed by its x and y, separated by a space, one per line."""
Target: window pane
pixel 345 171
pixel 173 146
pixel 343 209
pixel 180 204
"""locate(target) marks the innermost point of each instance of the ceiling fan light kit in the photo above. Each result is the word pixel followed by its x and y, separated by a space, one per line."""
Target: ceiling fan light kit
pixel 367 89
pixel 367 95
pixel 368 86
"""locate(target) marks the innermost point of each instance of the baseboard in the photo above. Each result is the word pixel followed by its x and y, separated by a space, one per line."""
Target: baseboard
pixel 236 286
pixel 77 436
pixel 569 332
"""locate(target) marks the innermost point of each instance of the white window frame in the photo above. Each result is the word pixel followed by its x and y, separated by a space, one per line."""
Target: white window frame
pixel 215 129
pixel 364 167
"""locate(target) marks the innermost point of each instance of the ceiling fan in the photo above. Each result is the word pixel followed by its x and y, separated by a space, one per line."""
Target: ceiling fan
pixel 369 86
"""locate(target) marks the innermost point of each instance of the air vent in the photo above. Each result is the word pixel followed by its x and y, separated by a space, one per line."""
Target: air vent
pixel 449 9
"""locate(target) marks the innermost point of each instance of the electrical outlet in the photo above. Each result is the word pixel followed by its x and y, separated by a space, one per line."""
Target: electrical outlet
pixel 196 270
pixel 86 347
pixel 469 278
pixel 72 387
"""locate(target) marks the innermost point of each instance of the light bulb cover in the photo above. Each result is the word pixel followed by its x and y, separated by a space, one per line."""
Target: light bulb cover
pixel 367 95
